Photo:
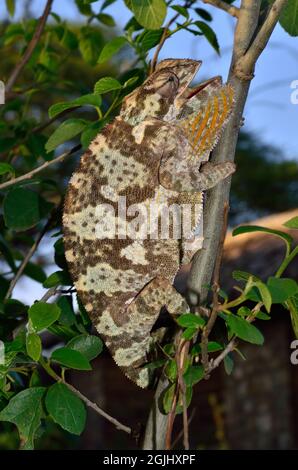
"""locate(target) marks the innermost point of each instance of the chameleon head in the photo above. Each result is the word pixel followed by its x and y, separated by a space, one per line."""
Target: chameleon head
pixel 157 96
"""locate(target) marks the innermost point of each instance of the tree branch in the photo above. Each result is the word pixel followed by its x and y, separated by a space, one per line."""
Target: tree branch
pixel 247 62
pixel 31 46
pixel 232 10
pixel 45 165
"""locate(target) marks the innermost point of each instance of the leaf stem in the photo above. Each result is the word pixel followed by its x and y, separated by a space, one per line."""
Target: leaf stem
pixel 286 262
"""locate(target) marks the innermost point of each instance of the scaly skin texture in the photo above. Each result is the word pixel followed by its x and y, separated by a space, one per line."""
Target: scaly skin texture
pixel 152 152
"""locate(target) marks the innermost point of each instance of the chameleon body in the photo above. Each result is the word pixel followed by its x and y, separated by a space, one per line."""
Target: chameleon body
pixel 150 154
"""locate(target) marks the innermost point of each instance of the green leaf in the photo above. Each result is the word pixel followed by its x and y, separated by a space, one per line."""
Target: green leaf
pixel 43 315
pixel 6 168
pixel 66 408
pixel 244 330
pixel 106 19
pixel 58 278
pixel 181 10
pixel 107 3
pixel 84 7
pixel 292 223
pixel 209 34
pixel 67 316
pixel 66 131
pixel 167 398
pixel 189 320
pixel 33 346
pixel 23 208
pixel 263 316
pixel 265 294
pixel 244 276
pixel 256 228
pixel 90 132
pixel 193 375
pixel 213 346
pixel 171 370
pixel 149 13
pixel 281 289
pixel 243 311
pixel 203 14
pixel 25 411
pixel 85 100
pixel 229 364
pixel 289 17
pixel 90 47
pixel 70 358
pixel 188 398
pixel 88 345
pixel 10 5
pixel 111 48
pixel 189 333
pixel 292 305
pixel 151 39
pixel 106 84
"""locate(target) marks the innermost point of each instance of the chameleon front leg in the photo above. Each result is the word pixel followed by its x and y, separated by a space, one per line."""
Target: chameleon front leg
pixel 132 342
pixel 181 176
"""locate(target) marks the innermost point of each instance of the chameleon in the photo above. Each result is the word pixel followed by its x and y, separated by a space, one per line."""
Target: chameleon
pixel 152 156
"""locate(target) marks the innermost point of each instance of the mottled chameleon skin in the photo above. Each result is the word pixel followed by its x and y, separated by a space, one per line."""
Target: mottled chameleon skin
pixel 146 153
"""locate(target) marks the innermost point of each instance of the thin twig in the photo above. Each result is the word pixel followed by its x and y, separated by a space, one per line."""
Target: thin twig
pixel 232 10
pixel 26 259
pixel 171 419
pixel 45 165
pixel 214 363
pixel 161 42
pixel 181 361
pixel 31 46
pixel 164 36
pixel 49 293
pixel 210 324
pixel 181 433
pixel 86 400
pixel 99 411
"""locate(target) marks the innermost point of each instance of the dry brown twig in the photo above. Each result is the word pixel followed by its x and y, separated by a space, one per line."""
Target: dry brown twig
pixel 180 391
pixel 215 287
pixel 232 10
pixel 30 49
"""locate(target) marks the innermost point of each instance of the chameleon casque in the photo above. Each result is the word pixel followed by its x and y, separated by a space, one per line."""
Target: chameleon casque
pixel 155 151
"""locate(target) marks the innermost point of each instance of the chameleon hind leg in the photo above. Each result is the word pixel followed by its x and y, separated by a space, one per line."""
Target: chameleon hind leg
pixel 131 342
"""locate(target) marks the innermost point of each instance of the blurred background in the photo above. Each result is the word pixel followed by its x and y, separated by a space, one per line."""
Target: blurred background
pixel 256 406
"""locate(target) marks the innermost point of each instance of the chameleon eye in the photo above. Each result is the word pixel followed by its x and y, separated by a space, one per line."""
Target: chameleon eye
pixel 171 79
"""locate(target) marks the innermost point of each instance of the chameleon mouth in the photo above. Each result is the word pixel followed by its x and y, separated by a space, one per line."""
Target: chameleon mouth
pixel 214 81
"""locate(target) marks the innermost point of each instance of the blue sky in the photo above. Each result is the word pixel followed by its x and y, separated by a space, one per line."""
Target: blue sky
pixel 269 111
